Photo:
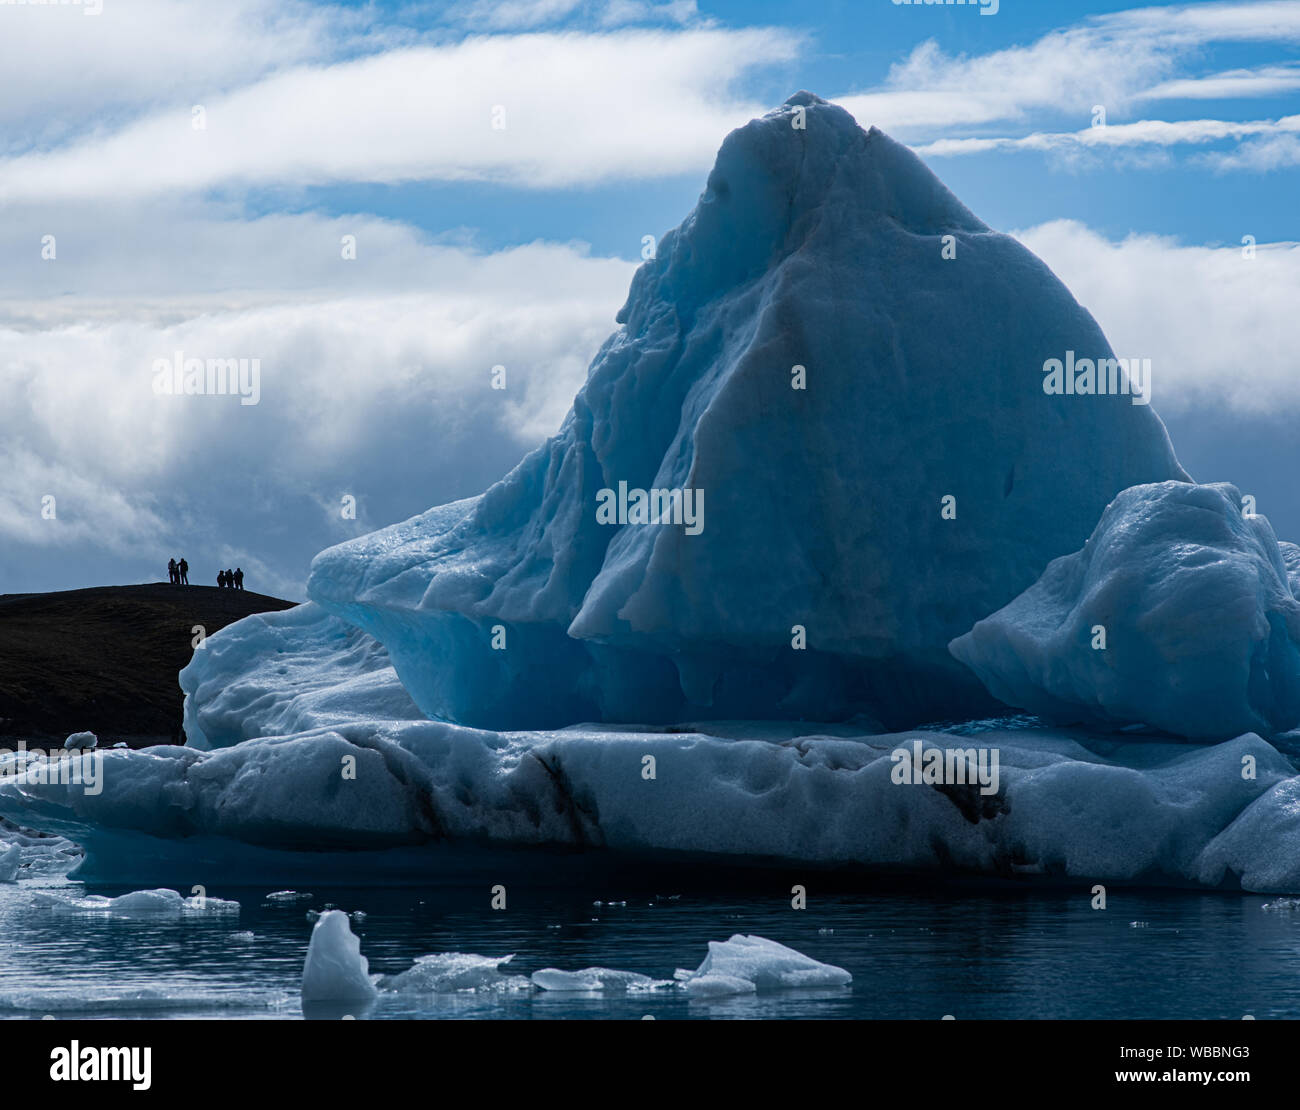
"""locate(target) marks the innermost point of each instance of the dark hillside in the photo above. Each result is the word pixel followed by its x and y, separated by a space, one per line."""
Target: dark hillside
pixel 105 659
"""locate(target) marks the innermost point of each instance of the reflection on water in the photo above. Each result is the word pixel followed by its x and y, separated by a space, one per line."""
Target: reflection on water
pixel 969 952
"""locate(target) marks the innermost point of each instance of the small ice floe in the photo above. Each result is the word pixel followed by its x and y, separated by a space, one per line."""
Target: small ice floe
pixel 243 937
pixel 154 904
pixel 335 969
pixel 11 860
pixel 1282 905
pixel 287 897
pixel 596 979
pixel 313 915
pixel 447 972
pixel 81 741
pixel 825 932
pixel 1137 924
pixel 357 916
pixel 744 964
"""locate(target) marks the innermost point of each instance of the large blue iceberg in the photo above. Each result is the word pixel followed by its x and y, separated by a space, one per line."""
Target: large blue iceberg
pixel 818 450
pixel 820 248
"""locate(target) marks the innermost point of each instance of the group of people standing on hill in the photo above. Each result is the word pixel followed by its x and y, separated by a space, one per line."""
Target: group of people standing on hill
pixel 178 574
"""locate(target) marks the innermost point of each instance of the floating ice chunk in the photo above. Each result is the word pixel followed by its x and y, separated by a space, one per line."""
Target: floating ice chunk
pixel 335 970
pixel 1282 905
pixel 765 964
pixel 1176 614
pixel 595 979
pixel 288 896
pixel 455 971
pixel 11 860
pixel 82 741
pixel 243 937
pixel 139 903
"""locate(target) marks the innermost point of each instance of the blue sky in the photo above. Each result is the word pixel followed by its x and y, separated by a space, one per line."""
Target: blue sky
pixel 482 246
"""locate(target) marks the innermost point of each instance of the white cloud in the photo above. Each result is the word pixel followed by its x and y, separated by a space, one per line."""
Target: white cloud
pixel 616 12
pixel 66 73
pixel 1262 81
pixel 1275 152
pixel 1113 60
pixel 1221 329
pixel 578 109
pixel 380 389
pixel 1143 133
pixel 514 15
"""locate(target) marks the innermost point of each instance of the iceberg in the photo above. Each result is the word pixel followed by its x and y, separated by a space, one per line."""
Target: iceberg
pixel 858 421
pixel 1177 614
pixel 577 672
pixel 335 970
pixel 744 964
pixel 436 802
pixel 455 971
pixel 160 903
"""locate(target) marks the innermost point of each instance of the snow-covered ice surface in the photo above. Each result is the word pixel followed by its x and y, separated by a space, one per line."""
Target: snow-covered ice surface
pixel 822 249
pixel 1201 628
pixel 434 802
pixel 273 674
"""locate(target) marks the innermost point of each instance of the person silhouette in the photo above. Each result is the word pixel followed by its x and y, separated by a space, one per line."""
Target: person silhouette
pixel 171 571
pixel 184 569
pixel 221 579
pixel 230 578
pixel 239 578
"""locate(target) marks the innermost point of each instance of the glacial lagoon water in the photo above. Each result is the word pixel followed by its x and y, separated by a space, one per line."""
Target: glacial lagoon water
pixel 914 952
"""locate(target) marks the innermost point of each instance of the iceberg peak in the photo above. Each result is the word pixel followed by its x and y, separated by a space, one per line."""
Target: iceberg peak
pixel 838 368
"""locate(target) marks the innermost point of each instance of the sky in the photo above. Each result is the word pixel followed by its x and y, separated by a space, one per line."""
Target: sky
pixel 383 202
